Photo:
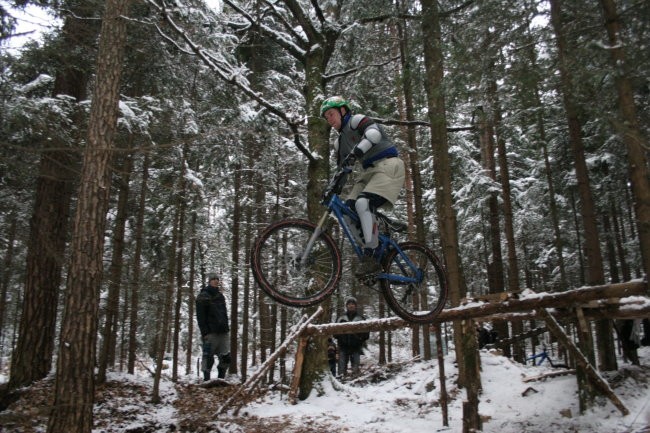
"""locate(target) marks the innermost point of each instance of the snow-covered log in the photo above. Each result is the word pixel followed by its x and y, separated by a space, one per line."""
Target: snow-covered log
pixel 632 295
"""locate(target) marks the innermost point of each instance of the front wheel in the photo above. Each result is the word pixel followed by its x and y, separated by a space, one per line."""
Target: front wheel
pixel 290 274
pixel 415 286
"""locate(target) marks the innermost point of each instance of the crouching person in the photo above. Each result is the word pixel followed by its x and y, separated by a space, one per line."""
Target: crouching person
pixel 212 317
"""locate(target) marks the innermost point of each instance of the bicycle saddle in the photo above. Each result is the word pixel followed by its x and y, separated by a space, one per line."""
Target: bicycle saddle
pixel 394 226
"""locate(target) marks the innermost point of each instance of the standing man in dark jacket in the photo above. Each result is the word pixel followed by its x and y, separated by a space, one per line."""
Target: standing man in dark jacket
pixel 350 345
pixel 212 315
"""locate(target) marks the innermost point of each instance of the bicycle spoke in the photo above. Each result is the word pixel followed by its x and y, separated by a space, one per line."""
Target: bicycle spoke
pixel 287 272
pixel 415 287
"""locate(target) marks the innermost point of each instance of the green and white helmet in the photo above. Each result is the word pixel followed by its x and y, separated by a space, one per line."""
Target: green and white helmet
pixel 334 102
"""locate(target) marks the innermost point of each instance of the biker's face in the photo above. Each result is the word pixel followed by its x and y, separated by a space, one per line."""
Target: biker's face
pixel 333 117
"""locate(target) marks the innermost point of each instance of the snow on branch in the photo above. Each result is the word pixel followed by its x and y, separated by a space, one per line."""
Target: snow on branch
pixel 230 74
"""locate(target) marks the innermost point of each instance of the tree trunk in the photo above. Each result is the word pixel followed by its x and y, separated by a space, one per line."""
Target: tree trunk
pixel 496 282
pixel 413 170
pixel 6 271
pixel 519 353
pixel 630 131
pixel 182 206
pixel 531 57
pixel 619 239
pixel 446 215
pixel 235 266
pixel 247 276
pixel 316 61
pixel 594 262
pixel 191 298
pixel 109 334
pixel 72 409
pixel 32 356
pixel 135 278
pixel 163 328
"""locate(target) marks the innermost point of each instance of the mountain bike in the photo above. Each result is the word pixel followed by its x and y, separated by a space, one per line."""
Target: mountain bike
pixel 298 263
pixel 539 358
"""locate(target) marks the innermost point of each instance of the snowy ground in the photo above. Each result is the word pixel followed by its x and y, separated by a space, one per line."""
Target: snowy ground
pixel 405 403
pixel 398 398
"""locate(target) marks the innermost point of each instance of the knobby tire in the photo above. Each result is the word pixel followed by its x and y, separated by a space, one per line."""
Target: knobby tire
pixel 416 303
pixel 278 268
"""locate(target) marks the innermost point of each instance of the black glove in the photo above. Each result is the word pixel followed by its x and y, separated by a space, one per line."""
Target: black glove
pixel 357 152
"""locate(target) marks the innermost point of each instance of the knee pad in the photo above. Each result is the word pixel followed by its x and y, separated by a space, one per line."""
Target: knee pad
pixel 362 204
pixel 367 219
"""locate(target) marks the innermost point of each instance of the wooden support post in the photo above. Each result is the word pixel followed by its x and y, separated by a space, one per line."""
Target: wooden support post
pixel 472 376
pixel 248 386
pixel 581 360
pixel 297 369
pixel 441 370
pixel 586 391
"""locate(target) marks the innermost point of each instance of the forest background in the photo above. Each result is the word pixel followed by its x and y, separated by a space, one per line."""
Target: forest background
pixel 523 125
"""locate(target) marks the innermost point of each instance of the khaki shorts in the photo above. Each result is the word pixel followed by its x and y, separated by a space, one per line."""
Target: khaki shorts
pixel 385 178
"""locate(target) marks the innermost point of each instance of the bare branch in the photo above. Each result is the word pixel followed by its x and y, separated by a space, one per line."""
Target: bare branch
pixel 287 26
pixel 303 19
pixel 419 123
pixel 458 8
pixel 359 68
pixel 293 49
pixel 232 76
pixel 319 12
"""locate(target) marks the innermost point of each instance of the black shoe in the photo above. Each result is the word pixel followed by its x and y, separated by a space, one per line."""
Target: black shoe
pixel 206 375
pixel 367 266
pixel 221 373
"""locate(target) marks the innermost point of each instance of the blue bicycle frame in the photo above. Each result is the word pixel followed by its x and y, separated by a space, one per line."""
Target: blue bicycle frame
pixel 339 208
pixel 543 355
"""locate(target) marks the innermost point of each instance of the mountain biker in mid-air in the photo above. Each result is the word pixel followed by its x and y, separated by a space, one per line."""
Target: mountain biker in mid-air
pixel 383 171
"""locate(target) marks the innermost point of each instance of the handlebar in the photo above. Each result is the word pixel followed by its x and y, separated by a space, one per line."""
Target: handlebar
pixel 336 184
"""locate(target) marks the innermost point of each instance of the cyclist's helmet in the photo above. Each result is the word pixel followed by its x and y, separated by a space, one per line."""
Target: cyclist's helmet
pixel 334 102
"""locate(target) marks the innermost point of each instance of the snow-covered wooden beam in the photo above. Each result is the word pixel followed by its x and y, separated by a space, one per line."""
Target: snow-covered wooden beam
pixel 631 296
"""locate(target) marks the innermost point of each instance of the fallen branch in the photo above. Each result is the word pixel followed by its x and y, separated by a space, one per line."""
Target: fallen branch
pixel 598 381
pixel 248 386
pixel 547 375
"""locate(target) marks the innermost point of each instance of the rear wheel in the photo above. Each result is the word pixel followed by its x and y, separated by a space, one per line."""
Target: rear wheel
pixel 285 273
pixel 416 289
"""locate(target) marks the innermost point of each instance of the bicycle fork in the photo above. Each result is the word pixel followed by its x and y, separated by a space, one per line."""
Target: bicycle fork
pixel 313 237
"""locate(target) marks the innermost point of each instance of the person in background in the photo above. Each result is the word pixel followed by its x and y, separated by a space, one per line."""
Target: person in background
pixel 212 317
pixel 383 172
pixel 331 355
pixel 483 335
pixel 350 345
